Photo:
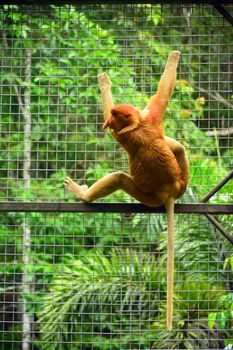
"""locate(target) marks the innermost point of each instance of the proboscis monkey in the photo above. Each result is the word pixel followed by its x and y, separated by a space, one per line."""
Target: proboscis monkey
pixel 159 168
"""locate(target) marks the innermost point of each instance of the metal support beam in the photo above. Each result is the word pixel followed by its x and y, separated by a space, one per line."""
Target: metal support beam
pixel 77 207
pixel 209 216
pixel 217 187
pixel 219 227
pixel 84 2
pixel 217 4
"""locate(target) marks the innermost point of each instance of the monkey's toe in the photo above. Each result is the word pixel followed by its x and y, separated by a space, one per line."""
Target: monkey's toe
pixel 104 79
pixel 102 75
pixel 68 182
pixel 174 56
pixel 175 52
pixel 77 190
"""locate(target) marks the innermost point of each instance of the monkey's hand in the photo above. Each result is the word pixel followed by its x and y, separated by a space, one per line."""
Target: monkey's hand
pixel 104 80
pixel 173 58
pixel 77 190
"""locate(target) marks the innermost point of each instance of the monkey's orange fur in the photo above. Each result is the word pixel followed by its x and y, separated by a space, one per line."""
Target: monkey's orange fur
pixel 153 166
pixel 159 169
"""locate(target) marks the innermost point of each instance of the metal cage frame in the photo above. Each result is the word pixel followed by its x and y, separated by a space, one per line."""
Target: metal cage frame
pixel 201 208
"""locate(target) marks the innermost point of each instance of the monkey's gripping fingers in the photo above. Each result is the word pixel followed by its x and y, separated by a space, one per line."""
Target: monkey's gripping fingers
pixel 173 58
pixel 77 190
pixel 104 80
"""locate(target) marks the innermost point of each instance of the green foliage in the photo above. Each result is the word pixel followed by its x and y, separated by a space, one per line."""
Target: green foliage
pixel 191 330
pixel 102 300
pixel 223 318
pixel 126 289
pixel 104 291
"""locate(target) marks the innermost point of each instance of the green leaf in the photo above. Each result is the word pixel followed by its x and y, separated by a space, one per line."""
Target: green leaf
pixel 222 319
pixel 228 260
pixel 211 319
pixel 231 262
pixel 225 263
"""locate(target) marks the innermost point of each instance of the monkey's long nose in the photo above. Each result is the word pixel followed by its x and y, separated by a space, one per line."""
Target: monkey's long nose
pixel 107 123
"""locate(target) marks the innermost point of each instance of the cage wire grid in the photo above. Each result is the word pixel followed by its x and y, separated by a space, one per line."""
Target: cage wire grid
pixel 95 281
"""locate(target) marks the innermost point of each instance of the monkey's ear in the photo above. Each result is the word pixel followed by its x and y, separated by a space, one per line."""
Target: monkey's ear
pixel 114 111
pixel 128 128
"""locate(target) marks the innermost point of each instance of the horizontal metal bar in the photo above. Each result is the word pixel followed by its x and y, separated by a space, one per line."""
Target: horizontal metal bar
pixel 81 2
pixel 78 207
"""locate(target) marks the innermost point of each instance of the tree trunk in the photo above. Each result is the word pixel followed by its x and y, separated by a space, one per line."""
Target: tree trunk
pixel 26 280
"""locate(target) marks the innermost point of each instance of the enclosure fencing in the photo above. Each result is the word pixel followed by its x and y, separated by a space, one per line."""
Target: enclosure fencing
pixel 93 276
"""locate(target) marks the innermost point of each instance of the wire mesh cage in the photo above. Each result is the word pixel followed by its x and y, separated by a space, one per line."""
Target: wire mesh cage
pixel 95 280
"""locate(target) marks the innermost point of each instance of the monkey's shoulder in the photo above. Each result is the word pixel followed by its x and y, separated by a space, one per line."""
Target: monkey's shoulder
pixel 141 137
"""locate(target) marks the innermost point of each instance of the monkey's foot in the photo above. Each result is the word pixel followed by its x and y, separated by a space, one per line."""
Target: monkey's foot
pixel 173 58
pixel 74 188
pixel 104 80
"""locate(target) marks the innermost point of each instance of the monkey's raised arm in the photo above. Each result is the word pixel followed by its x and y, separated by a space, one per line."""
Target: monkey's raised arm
pixel 158 103
pixel 106 95
pixel 168 78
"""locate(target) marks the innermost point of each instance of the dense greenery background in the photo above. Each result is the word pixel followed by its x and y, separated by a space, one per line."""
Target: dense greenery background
pixel 99 280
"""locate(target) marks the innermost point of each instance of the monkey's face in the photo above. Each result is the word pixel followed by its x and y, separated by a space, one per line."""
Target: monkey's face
pixel 122 116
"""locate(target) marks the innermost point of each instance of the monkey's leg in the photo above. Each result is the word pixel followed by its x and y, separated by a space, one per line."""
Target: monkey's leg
pixel 109 184
pixel 107 99
pixel 179 152
pixel 159 101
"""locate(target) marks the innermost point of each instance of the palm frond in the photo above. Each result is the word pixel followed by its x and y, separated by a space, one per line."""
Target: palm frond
pixel 102 289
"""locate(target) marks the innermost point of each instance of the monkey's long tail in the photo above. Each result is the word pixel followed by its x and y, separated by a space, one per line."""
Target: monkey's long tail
pixel 170 262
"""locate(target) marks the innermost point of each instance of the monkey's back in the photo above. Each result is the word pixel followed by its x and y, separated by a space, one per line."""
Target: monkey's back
pixel 153 166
